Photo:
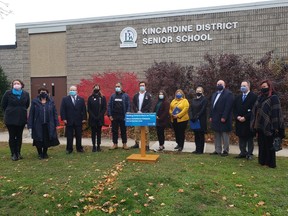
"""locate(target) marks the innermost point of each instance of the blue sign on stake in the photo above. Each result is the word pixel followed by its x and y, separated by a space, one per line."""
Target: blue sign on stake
pixel 140 119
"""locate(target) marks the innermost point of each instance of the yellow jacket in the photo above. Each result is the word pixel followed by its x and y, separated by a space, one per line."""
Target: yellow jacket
pixel 183 105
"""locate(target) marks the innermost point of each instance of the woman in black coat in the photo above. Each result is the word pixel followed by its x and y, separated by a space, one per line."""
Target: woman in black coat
pixel 15 103
pixel 96 109
pixel 162 117
pixel 42 123
pixel 198 111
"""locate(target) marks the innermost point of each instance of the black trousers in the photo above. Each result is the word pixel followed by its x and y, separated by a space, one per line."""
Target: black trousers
pixel 179 130
pixel 267 155
pixel 161 135
pixel 15 138
pixel 199 141
pixel 96 130
pixel 70 135
pixel 116 123
pixel 246 146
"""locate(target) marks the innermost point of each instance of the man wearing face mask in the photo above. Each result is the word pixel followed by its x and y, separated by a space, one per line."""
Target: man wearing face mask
pixel 15 103
pixel 96 110
pixel 118 106
pixel 142 102
pixel 73 113
pixel 243 105
pixel 221 118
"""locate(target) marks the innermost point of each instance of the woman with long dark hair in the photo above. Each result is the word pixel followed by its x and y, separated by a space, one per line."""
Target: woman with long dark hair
pixel 96 109
pixel 267 121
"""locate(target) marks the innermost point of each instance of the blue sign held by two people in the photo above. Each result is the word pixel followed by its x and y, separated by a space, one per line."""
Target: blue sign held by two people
pixel 140 119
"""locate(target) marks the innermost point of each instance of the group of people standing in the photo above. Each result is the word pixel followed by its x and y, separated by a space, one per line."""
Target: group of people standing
pixel 253 115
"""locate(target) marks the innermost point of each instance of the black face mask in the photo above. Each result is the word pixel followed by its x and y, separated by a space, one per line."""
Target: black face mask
pixel 198 94
pixel 220 87
pixel 264 90
pixel 43 95
pixel 96 91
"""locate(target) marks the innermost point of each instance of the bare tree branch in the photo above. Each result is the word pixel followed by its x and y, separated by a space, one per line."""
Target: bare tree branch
pixel 4 9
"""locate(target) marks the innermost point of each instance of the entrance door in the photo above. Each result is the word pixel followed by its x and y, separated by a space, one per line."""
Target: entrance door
pixel 57 87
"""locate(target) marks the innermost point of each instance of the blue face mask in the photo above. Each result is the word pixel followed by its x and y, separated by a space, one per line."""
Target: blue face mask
pixel 178 96
pixel 142 88
pixel 243 89
pixel 161 97
pixel 72 93
pixel 117 89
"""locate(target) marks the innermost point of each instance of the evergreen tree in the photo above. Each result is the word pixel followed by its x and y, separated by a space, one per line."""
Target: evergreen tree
pixel 4 85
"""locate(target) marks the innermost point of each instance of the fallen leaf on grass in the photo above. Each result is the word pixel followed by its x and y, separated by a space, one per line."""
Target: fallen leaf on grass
pixel 136 194
pixel 255 195
pixel 151 198
pixel 137 211
pixel 146 205
pixel 239 185
pixel 111 210
pixel 78 214
pixel 129 189
pixel 162 204
pixel 231 205
pixel 224 198
pixel 180 190
pixel 46 195
pixel 123 200
pixel 260 203
pixel 234 173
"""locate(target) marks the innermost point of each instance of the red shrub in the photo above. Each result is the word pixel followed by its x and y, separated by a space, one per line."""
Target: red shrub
pixel 107 83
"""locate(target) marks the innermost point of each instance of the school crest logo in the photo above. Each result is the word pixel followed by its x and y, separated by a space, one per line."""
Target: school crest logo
pixel 128 37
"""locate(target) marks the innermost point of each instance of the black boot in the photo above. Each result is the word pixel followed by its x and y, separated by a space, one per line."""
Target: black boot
pixel 136 145
pixel 40 153
pixel 14 157
pixel 94 148
pixel 98 148
pixel 45 155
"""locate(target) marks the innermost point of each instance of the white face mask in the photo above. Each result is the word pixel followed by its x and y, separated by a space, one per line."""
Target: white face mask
pixel 161 97
pixel 17 86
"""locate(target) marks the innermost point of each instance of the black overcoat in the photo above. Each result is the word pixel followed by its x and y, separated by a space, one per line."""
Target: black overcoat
pixel 97 107
pixel 244 108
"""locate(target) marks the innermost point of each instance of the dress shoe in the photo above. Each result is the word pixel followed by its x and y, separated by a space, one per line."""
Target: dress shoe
pixel 19 156
pixel 125 146
pixel 214 153
pixel 115 146
pixel 45 156
pixel 69 151
pixel 195 152
pixel 177 147
pixel 240 156
pixel 14 157
pixel 98 148
pixel 147 148
pixel 40 157
pixel 249 157
pixel 135 146
pixel 80 150
pixel 94 149
pixel 224 154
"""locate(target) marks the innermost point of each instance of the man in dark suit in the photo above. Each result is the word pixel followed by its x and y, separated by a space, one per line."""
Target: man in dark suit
pixel 142 102
pixel 221 118
pixel 243 105
pixel 73 113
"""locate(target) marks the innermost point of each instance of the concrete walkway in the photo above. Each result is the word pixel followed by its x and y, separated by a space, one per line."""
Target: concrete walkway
pixel 169 145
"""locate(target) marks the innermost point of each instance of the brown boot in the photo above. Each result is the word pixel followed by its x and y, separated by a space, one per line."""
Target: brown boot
pixel 125 146
pixel 115 146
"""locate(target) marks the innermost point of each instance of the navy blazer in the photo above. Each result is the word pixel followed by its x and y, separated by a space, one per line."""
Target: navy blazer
pixel 222 109
pixel 73 114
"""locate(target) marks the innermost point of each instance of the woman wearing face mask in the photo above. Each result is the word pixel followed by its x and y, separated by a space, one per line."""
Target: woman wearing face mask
pixel 198 111
pixel 96 110
pixel 162 118
pixel 179 108
pixel 15 103
pixel 42 122
pixel 267 121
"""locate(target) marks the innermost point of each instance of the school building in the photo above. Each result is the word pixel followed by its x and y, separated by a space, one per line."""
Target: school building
pixel 60 53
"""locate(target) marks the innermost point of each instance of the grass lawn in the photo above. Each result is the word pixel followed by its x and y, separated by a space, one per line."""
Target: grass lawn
pixel 103 183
